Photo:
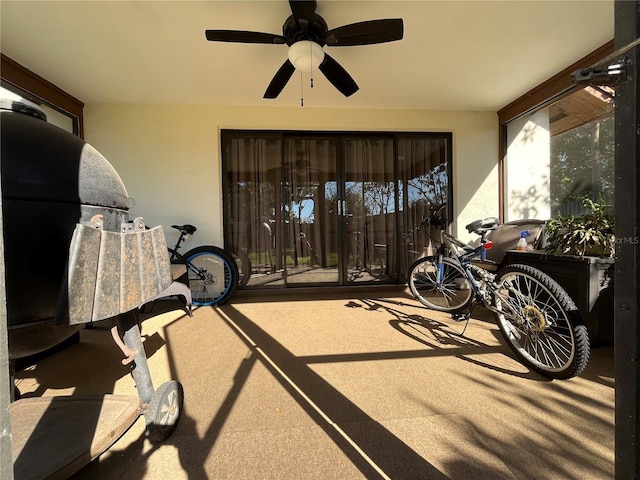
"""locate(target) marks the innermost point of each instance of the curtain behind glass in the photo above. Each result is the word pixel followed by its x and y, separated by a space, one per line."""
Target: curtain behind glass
pixel 370 201
pixel 253 173
pixel 309 210
pixel 424 192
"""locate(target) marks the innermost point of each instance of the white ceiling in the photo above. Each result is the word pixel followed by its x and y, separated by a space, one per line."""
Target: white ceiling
pixel 455 55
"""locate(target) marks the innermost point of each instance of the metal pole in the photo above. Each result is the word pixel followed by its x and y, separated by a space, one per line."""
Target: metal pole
pixel 128 326
pixel 627 278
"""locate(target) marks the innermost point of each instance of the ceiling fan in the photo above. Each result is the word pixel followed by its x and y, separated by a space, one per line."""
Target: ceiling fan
pixel 306 32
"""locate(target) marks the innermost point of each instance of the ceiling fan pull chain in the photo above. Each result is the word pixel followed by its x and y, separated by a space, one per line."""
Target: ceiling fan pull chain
pixel 311 64
pixel 301 92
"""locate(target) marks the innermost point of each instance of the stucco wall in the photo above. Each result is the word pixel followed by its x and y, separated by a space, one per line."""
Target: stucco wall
pixel 527 167
pixel 169 155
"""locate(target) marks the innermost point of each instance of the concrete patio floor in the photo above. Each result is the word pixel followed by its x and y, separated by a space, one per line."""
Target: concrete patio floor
pixel 341 387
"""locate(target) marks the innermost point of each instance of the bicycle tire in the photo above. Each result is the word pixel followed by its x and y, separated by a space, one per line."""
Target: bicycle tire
pixel 452 293
pixel 540 322
pixel 213 275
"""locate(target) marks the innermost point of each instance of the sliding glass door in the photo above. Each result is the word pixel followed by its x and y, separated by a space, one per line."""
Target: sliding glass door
pixel 307 209
pixel 424 196
pixel 253 206
pixel 310 196
pixel 369 201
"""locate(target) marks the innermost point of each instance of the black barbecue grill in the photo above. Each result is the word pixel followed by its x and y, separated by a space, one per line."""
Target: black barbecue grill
pixel 72 256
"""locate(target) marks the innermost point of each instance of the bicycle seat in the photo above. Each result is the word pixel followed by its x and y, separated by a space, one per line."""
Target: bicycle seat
pixel 185 229
pixel 482 226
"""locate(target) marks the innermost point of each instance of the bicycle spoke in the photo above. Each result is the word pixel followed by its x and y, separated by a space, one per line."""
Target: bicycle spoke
pixel 536 323
pixel 440 286
pixel 212 276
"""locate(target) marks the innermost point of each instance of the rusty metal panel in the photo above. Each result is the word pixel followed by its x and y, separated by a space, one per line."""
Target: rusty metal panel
pixel 110 273
pixel 108 279
pixel 83 271
pixel 161 255
pixel 155 268
pixel 131 286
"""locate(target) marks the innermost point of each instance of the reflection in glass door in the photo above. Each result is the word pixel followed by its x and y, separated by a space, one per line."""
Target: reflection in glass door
pixel 252 210
pixel 369 210
pixel 309 211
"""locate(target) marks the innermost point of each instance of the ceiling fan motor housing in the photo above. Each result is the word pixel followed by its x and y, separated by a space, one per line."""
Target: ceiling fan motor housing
pixel 313 29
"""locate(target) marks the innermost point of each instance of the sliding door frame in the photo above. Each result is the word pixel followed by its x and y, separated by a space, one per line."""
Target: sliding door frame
pixel 227 135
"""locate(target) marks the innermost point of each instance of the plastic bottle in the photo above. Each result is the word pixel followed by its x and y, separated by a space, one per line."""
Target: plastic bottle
pixel 522 243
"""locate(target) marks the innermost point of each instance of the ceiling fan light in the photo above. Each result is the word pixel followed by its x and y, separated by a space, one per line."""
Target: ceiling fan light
pixel 306 55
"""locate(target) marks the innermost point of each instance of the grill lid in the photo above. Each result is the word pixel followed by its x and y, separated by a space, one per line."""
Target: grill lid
pixel 42 162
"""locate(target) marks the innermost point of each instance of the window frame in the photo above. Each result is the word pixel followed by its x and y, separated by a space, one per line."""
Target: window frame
pixel 22 81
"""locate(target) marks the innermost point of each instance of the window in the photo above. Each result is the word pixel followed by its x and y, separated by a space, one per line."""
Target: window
pixel 582 150
pixel 561 154
pixel 557 147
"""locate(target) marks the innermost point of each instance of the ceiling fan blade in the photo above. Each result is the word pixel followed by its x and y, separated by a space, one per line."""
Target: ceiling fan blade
pixel 241 36
pixel 303 9
pixel 303 13
pixel 366 33
pixel 338 76
pixel 279 80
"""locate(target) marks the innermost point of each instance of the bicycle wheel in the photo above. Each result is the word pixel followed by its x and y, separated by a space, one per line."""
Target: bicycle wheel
pixel 213 275
pixel 440 286
pixel 540 322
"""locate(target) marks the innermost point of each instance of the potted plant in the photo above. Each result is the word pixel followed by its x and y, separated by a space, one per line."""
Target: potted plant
pixel 590 234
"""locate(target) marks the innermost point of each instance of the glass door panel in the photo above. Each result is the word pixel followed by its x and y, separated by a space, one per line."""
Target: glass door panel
pixel 369 210
pixel 424 190
pixel 309 211
pixel 253 196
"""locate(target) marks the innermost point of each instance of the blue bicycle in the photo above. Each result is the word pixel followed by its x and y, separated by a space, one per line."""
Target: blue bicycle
pixel 212 272
pixel 536 316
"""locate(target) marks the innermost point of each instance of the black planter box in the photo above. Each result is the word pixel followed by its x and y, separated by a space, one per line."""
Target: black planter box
pixel 589 282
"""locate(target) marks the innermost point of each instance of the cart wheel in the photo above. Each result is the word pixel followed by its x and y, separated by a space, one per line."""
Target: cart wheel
pixel 164 410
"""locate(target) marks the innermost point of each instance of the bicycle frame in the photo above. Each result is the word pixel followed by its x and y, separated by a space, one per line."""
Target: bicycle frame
pixel 176 255
pixel 174 251
pixel 464 254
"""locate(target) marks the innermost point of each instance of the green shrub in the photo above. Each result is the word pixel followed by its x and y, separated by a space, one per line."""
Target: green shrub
pixel 590 234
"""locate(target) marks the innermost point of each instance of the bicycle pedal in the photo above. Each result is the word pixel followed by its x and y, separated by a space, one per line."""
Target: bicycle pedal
pixel 459 317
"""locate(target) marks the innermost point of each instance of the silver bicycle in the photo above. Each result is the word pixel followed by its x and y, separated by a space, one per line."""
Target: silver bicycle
pixel 536 316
